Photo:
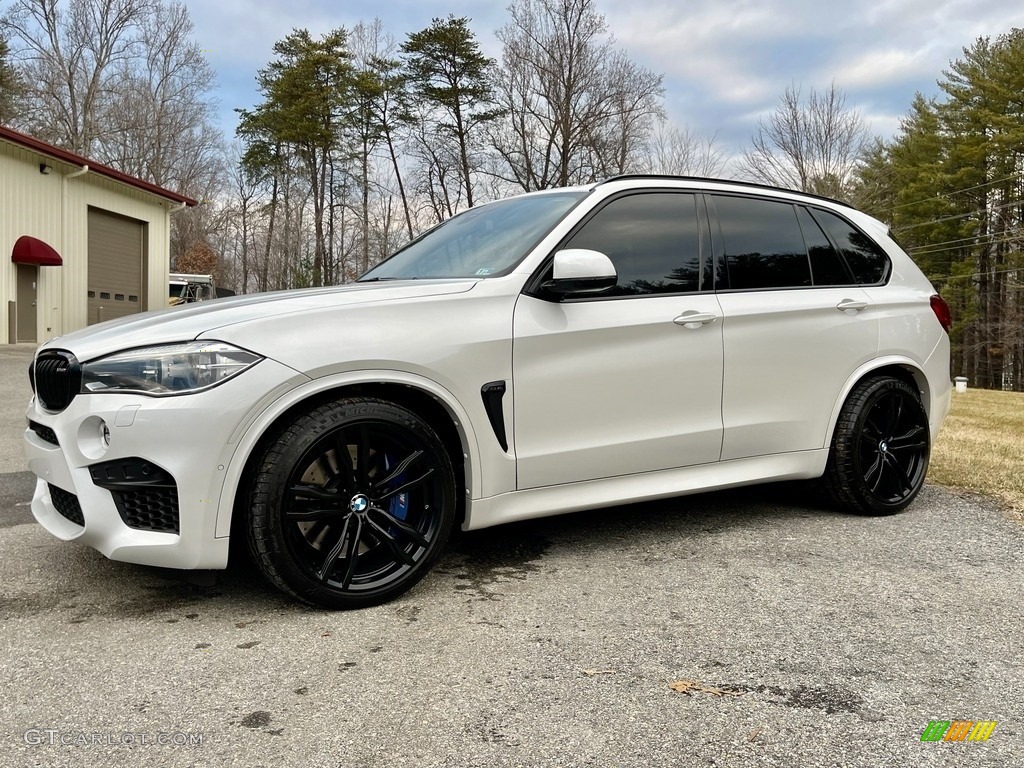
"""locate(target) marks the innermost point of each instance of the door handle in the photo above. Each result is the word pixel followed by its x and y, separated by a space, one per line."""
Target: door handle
pixel 853 305
pixel 695 319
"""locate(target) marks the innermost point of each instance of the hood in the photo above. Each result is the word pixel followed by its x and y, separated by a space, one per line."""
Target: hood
pixel 189 321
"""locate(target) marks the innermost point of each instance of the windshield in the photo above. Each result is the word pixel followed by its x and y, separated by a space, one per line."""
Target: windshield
pixel 485 241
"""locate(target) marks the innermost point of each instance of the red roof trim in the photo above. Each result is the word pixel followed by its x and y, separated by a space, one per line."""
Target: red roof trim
pixel 71 158
pixel 31 250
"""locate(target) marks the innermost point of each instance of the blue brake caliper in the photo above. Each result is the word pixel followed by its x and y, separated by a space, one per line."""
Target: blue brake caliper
pixel 399 504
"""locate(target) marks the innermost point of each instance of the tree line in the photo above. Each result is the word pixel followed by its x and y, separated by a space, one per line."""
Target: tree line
pixel 360 141
pixel 951 186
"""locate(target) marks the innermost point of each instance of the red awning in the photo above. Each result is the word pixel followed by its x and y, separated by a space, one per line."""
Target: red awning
pixel 31 250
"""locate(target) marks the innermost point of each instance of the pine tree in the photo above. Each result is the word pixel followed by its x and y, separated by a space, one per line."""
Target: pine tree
pixel 951 185
pixel 450 74
pixel 308 93
pixel 11 87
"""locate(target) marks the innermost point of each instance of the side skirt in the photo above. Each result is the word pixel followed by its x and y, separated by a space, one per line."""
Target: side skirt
pixel 647 486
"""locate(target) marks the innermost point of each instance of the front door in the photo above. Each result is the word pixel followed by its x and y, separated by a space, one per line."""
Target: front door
pixel 621 384
pixel 28 281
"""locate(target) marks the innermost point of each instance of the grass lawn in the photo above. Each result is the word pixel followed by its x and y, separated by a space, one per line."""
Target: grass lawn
pixel 981 446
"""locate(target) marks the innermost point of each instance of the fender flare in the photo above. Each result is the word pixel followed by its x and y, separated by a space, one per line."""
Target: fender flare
pixel 248 434
pixel 866 369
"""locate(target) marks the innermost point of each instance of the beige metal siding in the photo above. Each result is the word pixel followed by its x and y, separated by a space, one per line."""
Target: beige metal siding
pixel 56 210
pixel 94 191
pixel 29 205
pixel 116 266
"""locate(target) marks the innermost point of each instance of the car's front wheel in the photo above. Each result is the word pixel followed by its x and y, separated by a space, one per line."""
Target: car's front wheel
pixel 880 448
pixel 351 504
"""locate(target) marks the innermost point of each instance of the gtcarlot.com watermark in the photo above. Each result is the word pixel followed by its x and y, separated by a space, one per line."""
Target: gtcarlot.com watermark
pixel 54 737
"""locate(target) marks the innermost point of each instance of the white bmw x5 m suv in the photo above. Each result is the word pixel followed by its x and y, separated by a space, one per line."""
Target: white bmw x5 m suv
pixel 635 339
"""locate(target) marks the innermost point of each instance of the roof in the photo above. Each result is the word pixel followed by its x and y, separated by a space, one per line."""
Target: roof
pixel 706 179
pixel 24 140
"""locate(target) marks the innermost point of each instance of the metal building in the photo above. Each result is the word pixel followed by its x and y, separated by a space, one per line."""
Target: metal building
pixel 80 241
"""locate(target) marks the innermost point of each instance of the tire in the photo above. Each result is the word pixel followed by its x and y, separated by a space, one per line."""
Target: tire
pixel 352 504
pixel 880 449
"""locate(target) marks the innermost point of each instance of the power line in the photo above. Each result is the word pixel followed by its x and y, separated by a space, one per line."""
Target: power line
pixel 956 244
pixel 928 246
pixel 959 247
pixel 962 215
pixel 977 274
pixel 943 195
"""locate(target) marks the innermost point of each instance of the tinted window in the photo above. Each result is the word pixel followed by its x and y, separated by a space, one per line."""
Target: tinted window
pixel 867 261
pixel 652 239
pixel 827 267
pixel 763 244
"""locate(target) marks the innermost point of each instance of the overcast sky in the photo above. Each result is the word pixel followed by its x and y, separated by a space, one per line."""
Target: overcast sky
pixel 725 62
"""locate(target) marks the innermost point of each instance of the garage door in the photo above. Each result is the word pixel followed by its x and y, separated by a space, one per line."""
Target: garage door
pixel 116 266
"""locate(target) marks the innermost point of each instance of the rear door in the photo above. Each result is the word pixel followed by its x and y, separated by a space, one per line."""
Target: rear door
pixel 796 326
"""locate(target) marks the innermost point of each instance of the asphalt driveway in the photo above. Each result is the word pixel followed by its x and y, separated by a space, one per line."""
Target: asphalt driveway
pixel 796 636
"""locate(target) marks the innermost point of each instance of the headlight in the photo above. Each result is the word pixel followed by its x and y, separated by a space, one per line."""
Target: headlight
pixel 171 369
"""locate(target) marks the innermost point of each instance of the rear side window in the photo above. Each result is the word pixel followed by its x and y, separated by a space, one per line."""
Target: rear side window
pixel 869 264
pixel 763 244
pixel 652 239
pixel 827 267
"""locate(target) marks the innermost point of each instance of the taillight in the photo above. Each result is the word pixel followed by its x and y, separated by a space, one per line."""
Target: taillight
pixel 942 312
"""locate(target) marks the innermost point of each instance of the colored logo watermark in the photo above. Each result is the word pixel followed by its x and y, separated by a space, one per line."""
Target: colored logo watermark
pixel 958 730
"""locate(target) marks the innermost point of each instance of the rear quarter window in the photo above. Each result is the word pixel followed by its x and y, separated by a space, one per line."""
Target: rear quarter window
pixel 868 262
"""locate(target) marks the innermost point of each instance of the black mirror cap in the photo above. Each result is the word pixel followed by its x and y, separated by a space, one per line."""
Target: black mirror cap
pixel 567 287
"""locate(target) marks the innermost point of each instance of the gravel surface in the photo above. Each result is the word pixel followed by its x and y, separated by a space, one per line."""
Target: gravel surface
pixel 807 637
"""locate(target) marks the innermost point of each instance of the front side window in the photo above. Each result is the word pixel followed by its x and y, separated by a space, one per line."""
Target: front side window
pixel 763 244
pixel 486 241
pixel 653 240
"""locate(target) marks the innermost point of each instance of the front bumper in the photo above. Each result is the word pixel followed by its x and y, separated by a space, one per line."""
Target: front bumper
pixel 150 494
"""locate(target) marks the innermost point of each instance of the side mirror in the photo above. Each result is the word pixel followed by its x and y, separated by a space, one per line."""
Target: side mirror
pixel 580 271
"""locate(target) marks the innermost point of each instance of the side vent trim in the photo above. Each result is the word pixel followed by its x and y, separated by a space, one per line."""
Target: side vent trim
pixel 492 394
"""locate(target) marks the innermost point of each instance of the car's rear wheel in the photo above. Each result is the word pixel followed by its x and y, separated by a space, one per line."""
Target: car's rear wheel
pixel 880 448
pixel 351 505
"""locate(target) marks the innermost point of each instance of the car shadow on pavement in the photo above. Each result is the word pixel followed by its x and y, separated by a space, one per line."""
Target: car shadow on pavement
pixel 86 586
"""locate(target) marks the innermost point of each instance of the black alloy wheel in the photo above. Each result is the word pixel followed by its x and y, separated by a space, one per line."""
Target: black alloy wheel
pixel 880 449
pixel 352 504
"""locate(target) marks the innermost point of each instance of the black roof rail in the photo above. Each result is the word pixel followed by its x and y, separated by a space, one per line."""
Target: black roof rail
pixel 753 184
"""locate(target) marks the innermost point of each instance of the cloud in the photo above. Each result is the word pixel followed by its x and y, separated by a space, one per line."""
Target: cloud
pixel 884 66
pixel 725 62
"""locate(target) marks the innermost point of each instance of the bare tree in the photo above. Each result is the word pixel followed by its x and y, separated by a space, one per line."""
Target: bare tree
pixel 682 152
pixel 122 81
pixel 381 108
pixel 160 125
pixel 438 172
pixel 576 107
pixel 813 146
pixel 67 54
